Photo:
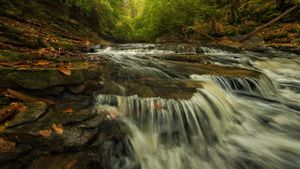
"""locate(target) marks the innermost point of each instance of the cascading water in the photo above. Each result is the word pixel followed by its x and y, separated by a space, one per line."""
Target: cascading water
pixel 216 127
pixel 260 85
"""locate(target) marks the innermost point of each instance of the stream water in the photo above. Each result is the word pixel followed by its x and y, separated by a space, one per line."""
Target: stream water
pixel 193 107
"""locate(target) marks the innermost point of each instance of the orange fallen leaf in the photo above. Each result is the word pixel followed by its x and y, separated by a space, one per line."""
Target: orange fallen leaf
pixel 66 70
pixel 57 128
pixel 42 51
pixel 21 108
pixel 71 164
pixel 45 133
pixel 11 109
pixel 6 146
pixel 6 64
pixel 68 110
pixel 42 63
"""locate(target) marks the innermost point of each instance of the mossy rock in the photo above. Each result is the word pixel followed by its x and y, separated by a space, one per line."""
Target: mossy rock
pixel 44 78
pixel 32 113
pixel 294 30
pixel 295 41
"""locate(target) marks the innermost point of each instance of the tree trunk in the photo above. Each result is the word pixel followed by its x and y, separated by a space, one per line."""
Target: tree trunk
pixel 279 3
pixel 268 24
pixel 214 29
pixel 234 11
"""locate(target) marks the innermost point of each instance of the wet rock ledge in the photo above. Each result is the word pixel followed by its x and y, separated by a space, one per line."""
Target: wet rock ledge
pixel 48 120
pixel 50 138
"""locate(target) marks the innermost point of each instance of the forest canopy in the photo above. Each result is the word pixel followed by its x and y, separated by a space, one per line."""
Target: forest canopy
pixel 146 20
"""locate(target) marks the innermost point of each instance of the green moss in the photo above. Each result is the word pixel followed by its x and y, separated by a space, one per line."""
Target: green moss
pixel 11 29
pixel 11 56
pixel 42 79
pixel 296 41
pixel 294 30
pixel 230 32
pixel 245 30
pixel 33 79
pixel 14 56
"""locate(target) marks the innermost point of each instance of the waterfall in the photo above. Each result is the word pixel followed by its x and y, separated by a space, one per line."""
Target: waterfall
pixel 251 85
pixel 218 127
pixel 210 130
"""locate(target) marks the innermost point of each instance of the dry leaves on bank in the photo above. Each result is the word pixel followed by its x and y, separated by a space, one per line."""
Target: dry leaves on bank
pixel 68 110
pixel 71 164
pixel 11 109
pixel 43 63
pixel 65 69
pixel 57 128
pixel 6 146
pixel 45 133
pixel 27 64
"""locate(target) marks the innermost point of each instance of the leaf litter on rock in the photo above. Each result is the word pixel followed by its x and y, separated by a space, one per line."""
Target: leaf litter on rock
pixel 11 109
pixel 66 70
pixel 6 146
pixel 45 133
pixel 68 110
pixel 57 128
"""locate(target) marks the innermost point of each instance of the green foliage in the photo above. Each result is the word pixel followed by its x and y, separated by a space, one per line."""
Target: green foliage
pixel 275 36
pixel 104 13
pixel 145 20
pixel 164 16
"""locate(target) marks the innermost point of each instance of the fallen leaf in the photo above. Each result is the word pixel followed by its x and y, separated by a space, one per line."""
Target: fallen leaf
pixel 6 146
pixel 45 133
pixel 6 64
pixel 71 164
pixel 20 107
pixel 42 51
pixel 87 43
pixel 68 110
pixel 66 70
pixel 42 63
pixel 11 109
pixel 57 128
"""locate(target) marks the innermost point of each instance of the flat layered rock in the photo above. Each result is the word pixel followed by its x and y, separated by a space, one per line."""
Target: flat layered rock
pixel 30 77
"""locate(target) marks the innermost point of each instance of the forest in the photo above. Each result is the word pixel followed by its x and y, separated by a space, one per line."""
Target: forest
pixel 143 20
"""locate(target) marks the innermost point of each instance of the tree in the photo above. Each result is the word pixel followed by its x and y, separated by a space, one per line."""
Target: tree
pixel 249 35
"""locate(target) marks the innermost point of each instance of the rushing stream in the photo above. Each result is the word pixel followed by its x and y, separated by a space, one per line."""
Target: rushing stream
pixel 191 107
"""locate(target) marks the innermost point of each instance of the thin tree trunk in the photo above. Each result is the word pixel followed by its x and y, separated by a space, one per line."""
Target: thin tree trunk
pixel 279 3
pixel 214 29
pixel 234 11
pixel 249 35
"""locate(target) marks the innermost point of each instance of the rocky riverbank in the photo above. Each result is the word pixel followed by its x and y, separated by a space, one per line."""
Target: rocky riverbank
pixel 46 84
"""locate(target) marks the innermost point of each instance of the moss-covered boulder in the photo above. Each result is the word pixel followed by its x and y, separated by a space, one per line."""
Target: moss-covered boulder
pixel 42 78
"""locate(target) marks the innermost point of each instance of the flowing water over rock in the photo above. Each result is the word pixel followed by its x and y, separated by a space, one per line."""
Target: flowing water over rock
pixel 191 107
